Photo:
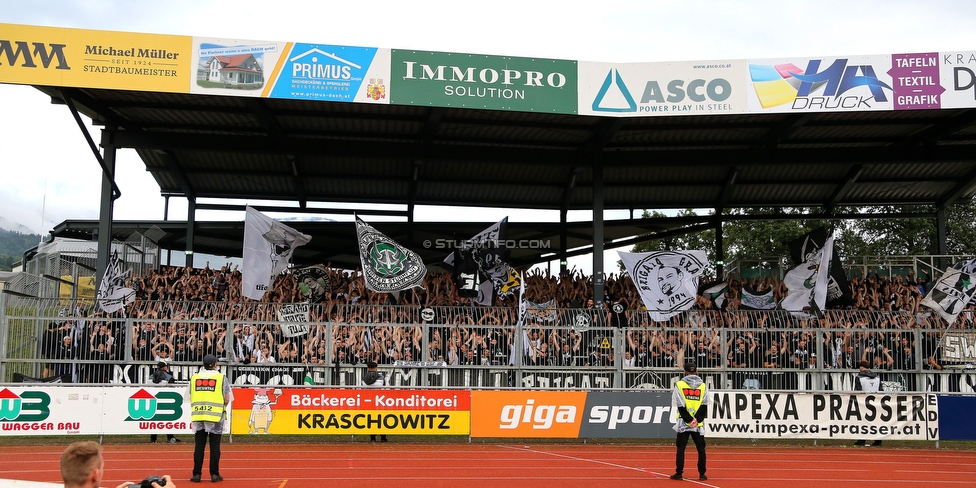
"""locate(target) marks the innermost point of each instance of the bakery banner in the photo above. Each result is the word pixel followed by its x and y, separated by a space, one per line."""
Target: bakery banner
pixel 264 410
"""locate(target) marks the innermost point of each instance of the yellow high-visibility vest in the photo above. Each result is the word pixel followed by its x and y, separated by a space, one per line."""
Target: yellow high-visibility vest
pixel 207 397
pixel 693 397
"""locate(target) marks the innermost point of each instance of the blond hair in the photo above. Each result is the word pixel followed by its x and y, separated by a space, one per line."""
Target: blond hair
pixel 78 462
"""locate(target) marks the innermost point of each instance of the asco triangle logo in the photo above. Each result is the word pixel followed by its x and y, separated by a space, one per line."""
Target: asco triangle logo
pixel 614 80
pixel 29 406
pixel 165 406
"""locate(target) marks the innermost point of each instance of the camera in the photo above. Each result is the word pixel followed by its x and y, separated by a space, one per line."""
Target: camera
pixel 147 483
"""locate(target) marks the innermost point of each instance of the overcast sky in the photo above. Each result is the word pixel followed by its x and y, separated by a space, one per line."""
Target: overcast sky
pixel 51 175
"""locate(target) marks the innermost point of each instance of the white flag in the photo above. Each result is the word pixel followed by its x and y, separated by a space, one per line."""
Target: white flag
pixel 666 280
pixel 112 292
pixel 807 283
pixel 950 294
pixel 268 247
pixel 757 301
pixel 293 318
pixel 388 267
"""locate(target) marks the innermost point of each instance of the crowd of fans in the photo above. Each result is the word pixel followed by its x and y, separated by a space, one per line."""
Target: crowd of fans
pixel 180 314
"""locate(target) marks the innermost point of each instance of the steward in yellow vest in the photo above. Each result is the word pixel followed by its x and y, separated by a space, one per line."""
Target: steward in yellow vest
pixel 210 395
pixel 690 403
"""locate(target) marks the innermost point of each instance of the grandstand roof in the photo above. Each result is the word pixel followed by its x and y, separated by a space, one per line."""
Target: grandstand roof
pixel 303 152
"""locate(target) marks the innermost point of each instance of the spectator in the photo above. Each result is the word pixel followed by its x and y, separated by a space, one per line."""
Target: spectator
pixel 82 466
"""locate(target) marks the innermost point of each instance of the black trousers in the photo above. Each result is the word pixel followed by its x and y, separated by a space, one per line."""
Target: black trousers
pixel 200 439
pixel 682 442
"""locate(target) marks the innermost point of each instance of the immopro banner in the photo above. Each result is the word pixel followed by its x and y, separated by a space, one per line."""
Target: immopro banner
pixel 750 415
pixel 657 89
pixel 262 410
pixel 94 59
pixel 479 81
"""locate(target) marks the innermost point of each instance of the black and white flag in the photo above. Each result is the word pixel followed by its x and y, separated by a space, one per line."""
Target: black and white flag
pixel 293 319
pixel 950 294
pixel 838 287
pixel 314 282
pixel 807 283
pixel 666 280
pixel 715 293
pixel 388 267
pixel 754 300
pixel 967 266
pixel 113 293
pixel 487 249
pixel 268 247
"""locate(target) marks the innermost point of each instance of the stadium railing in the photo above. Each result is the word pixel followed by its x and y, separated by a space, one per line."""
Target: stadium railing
pixel 427 346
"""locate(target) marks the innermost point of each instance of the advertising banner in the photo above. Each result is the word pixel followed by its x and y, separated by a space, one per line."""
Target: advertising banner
pixel 915 81
pixel 628 415
pixel 67 410
pixel 333 73
pixel 539 414
pixel 803 85
pixel 959 346
pixel 479 81
pixel 957 70
pixel 656 89
pixel 94 59
pixel 751 415
pixel 369 411
pixel 234 67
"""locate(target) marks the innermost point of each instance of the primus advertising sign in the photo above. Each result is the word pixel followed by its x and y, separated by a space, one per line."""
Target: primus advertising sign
pixel 481 81
pixel 657 89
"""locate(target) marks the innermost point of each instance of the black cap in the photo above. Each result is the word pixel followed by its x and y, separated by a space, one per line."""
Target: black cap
pixel 371 364
pixel 691 367
pixel 161 364
pixel 209 359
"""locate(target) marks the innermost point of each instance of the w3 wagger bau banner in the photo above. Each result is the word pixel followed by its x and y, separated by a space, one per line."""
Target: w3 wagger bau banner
pixel 368 411
pixel 41 410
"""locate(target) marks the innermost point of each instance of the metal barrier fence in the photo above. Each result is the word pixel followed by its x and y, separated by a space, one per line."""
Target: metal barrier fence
pixel 473 346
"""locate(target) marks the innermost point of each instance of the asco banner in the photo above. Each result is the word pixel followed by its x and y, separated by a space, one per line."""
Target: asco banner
pixel 263 410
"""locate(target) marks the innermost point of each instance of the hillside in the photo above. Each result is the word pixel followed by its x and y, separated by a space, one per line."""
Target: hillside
pixel 12 247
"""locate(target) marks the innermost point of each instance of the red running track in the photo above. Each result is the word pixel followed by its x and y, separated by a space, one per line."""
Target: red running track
pixel 246 465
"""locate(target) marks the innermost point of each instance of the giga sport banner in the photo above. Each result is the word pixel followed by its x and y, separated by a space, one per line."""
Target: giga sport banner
pixel 263 410
pixel 571 414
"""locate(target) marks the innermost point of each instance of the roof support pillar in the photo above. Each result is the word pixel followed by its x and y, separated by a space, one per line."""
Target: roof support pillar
pixel 563 239
pixel 598 276
pixel 106 204
pixel 719 246
pixel 940 237
pixel 191 223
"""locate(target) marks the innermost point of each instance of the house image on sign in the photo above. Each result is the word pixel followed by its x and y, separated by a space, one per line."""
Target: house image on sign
pixel 242 71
